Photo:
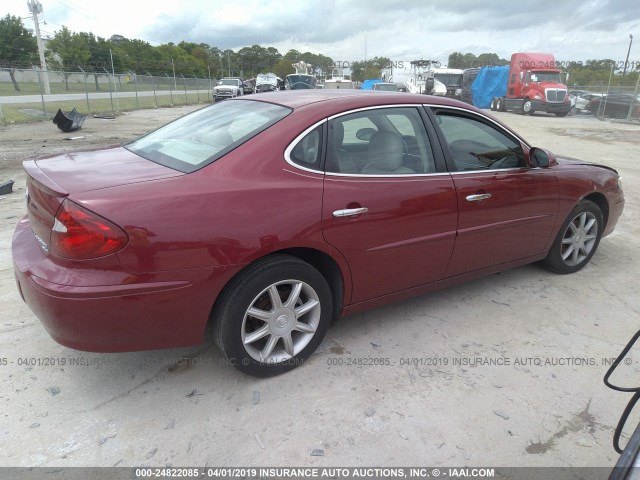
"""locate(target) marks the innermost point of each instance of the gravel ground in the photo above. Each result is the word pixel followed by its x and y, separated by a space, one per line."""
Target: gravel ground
pixel 503 371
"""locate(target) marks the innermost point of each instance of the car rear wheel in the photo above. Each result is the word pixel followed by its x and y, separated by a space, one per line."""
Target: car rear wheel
pixel 577 240
pixel 273 316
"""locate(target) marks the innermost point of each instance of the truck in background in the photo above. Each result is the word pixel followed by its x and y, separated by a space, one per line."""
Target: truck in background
pixel 534 85
pixel 468 77
pixel 420 78
pixel 451 79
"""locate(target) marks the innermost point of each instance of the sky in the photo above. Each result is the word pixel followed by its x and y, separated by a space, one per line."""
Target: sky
pixel 402 30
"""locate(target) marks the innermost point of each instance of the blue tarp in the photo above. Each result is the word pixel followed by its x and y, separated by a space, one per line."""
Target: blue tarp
pixel 490 82
pixel 368 84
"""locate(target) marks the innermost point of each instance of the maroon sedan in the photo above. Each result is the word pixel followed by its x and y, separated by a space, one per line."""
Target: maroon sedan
pixel 272 215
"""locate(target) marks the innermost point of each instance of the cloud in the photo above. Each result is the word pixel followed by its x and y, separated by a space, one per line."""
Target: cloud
pixel 400 30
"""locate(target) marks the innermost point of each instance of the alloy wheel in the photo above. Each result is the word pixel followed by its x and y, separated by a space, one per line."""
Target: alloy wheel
pixel 281 321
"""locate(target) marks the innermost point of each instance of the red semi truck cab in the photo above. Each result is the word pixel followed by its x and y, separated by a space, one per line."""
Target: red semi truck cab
pixel 535 84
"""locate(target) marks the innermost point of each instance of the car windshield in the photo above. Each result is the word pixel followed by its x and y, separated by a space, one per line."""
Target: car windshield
pixel 202 137
pixel 546 77
pixel 449 79
pixel 229 81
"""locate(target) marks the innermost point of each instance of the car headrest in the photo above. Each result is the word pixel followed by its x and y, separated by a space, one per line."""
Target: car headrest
pixel 386 151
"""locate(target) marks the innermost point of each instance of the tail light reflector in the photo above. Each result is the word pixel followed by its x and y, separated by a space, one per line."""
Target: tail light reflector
pixel 80 234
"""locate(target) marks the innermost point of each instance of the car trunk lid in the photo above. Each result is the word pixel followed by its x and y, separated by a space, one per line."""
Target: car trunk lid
pixel 51 179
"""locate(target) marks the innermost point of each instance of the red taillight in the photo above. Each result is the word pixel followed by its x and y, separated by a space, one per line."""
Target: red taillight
pixel 79 234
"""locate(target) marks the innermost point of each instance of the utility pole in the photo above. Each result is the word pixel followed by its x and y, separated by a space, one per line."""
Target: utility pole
pixel 175 84
pixel 365 57
pixel 35 7
pixel 626 62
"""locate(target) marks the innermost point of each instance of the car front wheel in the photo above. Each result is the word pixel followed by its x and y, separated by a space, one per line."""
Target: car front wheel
pixel 273 316
pixel 577 240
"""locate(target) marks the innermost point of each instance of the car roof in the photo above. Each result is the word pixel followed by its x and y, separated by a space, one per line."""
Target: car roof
pixel 348 99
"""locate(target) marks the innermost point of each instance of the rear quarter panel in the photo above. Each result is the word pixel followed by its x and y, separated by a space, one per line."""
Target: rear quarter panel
pixel 238 209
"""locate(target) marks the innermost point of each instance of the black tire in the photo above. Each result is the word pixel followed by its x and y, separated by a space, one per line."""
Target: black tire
pixel 500 106
pixel 577 226
pixel 493 104
pixel 527 107
pixel 253 289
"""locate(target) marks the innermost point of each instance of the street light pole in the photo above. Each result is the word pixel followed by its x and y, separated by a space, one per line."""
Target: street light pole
pixel 626 62
pixel 35 7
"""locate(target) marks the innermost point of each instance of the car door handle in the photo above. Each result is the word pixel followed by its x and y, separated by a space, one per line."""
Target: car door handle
pixel 478 196
pixel 348 212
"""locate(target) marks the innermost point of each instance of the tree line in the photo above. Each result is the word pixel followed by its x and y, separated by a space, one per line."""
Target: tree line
pixel 83 51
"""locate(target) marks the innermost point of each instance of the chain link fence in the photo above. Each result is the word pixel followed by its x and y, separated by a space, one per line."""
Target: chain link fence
pixel 24 95
pixel 607 101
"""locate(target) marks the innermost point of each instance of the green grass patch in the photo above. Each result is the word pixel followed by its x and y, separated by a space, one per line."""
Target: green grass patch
pixel 15 113
pixel 144 85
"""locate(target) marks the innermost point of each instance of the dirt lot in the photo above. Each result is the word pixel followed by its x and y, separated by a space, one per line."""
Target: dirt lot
pixel 543 405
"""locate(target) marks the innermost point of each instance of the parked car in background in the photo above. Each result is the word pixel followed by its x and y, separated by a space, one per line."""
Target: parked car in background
pixel 580 100
pixel 267 82
pixel 385 87
pixel 248 86
pixel 228 88
pixel 615 105
pixel 270 217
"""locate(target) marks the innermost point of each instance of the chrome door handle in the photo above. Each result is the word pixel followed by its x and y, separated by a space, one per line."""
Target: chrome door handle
pixel 348 212
pixel 478 196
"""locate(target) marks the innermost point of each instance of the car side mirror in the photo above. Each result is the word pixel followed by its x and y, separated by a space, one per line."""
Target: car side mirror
pixel 540 158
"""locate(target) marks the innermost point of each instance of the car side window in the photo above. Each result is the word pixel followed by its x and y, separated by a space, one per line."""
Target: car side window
pixel 475 145
pixel 307 152
pixel 381 141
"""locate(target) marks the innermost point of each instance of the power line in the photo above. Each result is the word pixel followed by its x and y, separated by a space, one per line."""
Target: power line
pixel 75 10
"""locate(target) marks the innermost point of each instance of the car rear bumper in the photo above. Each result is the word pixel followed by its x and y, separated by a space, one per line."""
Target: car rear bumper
pixel 86 310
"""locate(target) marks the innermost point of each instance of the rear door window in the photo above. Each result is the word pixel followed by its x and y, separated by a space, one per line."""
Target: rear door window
pixel 379 141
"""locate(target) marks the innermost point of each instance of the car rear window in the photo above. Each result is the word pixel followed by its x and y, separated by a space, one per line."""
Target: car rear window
pixel 202 137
